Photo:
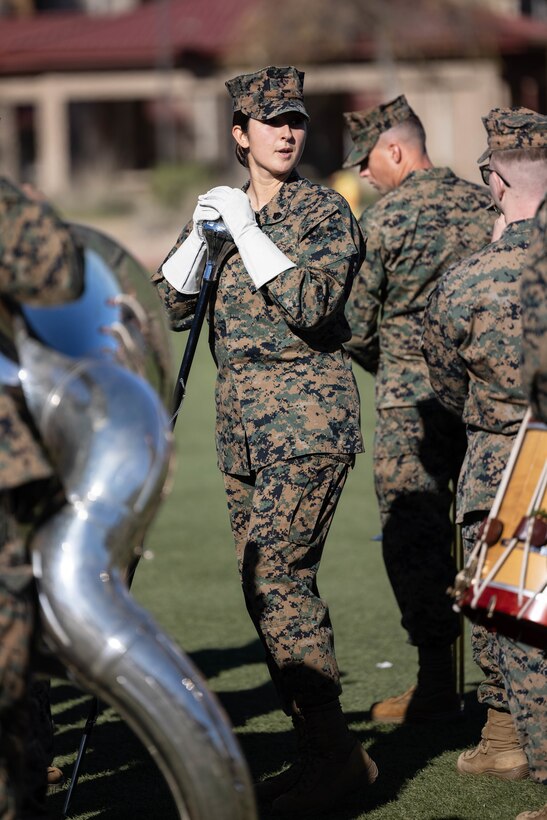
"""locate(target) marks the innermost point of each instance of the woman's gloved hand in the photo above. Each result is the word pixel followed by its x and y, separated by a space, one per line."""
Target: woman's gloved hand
pixel 204 213
pixel 184 269
pixel 233 207
pixel 262 258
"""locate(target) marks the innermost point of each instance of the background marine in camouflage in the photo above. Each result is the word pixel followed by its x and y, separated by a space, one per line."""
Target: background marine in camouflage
pixel 426 219
pixel 533 287
pixel 287 426
pixel 534 317
pixel 39 265
pixel 472 343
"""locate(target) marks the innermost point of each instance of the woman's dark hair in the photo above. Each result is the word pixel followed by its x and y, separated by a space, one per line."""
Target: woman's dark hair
pixel 242 120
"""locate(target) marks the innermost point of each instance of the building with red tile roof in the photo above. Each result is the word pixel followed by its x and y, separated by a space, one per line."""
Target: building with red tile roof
pixel 102 94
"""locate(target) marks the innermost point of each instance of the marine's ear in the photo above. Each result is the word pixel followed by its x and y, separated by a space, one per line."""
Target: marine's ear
pixel 395 152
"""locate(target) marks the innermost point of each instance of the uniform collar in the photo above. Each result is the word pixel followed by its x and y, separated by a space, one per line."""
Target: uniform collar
pixel 277 208
pixel 518 228
pixel 428 173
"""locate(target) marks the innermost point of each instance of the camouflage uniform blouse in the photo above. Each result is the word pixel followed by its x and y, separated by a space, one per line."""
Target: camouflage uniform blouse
pixel 534 317
pixel 38 266
pixel 285 386
pixel 472 343
pixel 414 233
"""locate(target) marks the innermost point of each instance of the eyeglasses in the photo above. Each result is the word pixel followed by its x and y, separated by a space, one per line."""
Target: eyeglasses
pixel 485 174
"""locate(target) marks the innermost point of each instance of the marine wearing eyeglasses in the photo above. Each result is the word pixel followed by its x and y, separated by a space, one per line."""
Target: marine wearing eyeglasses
pixel 486 170
pixel 473 346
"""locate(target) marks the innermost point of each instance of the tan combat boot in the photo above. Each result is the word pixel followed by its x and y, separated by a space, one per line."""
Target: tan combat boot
pixel 434 698
pixel 393 709
pixel 499 752
pixel 334 765
pixel 413 706
pixel 538 814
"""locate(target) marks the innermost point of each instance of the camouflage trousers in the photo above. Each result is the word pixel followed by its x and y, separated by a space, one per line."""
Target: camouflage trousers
pixel 417 456
pixel 16 626
pixel 515 679
pixel 25 722
pixel 280 519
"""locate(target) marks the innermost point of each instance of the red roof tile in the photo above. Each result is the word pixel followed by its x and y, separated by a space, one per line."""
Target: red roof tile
pixel 138 39
pixel 60 41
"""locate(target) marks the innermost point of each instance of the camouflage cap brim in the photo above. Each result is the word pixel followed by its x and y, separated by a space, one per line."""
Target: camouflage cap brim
pixel 283 107
pixel 356 156
pixel 366 127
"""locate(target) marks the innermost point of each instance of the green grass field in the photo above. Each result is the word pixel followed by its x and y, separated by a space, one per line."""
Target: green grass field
pixel 191 588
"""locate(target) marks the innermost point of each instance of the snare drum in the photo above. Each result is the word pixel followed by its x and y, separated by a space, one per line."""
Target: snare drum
pixel 504 582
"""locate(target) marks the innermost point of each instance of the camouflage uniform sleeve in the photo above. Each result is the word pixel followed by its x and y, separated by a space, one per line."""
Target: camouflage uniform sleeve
pixel 39 262
pixel 364 305
pixel 444 331
pixel 534 318
pixel 180 307
pixel 328 252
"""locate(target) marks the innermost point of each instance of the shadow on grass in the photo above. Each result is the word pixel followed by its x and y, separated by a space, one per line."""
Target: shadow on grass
pixel 119 780
pixel 399 751
pixel 212 662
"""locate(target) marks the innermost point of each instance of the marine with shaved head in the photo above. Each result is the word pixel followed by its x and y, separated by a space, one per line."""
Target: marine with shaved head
pixel 425 220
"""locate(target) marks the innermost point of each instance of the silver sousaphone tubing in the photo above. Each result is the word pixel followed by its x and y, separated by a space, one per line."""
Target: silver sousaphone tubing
pixel 96 378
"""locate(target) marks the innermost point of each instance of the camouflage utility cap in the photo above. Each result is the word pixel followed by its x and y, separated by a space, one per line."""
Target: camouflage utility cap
pixel 365 127
pixel 514 128
pixel 268 92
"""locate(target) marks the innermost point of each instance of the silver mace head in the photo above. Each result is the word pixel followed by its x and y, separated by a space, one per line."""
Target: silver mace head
pixel 216 236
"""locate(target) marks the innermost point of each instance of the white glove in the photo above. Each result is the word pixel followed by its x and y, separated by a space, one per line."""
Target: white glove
pixel 262 258
pixel 204 213
pixel 184 269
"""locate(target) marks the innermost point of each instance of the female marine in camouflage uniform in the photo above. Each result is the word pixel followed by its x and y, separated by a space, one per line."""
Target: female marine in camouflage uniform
pixel 287 411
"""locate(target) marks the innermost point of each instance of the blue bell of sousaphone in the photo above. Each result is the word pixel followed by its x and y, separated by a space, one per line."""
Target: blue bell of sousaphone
pixel 96 375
